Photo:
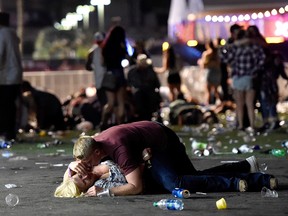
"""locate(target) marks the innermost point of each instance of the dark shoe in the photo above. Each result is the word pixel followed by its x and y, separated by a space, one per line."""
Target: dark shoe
pixel 264 128
pixel 275 125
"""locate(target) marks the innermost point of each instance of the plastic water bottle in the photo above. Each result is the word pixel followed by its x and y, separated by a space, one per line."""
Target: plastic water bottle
pixel 278 152
pixel 169 204
pixel 195 145
pixel 5 144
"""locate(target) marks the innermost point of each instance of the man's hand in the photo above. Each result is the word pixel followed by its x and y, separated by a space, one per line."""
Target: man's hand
pixel 79 167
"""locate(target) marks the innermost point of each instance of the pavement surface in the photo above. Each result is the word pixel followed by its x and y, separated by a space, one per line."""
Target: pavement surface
pixel 37 175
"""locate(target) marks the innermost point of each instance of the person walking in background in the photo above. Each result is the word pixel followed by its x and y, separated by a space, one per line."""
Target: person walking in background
pixel 143 84
pixel 256 37
pixel 138 48
pixel 210 61
pixel 11 75
pixel 274 67
pixel 245 58
pixel 95 63
pixel 170 63
pixel 114 50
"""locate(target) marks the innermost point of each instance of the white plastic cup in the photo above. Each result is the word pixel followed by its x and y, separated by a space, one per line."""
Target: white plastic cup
pixel 265 192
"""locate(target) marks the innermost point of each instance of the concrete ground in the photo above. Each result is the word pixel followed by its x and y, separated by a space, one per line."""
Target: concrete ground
pixel 36 177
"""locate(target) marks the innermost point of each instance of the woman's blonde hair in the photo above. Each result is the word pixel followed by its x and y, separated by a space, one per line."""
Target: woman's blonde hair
pixel 84 147
pixel 67 189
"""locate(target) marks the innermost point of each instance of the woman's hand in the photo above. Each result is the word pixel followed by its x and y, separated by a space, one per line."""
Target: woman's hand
pixel 92 191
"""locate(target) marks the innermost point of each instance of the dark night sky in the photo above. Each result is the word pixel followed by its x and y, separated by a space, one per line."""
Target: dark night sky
pixel 54 10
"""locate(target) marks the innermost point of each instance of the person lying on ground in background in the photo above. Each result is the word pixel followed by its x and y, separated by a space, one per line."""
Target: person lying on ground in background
pixel 102 177
pixel 170 166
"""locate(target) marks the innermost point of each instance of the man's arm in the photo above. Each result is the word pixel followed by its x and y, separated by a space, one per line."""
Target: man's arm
pixel 134 185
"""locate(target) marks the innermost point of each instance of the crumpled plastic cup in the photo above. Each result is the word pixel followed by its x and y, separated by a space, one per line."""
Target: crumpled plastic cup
pixel 265 192
pixel 12 200
pixel 221 204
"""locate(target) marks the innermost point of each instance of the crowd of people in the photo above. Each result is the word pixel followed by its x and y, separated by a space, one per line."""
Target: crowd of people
pixel 238 74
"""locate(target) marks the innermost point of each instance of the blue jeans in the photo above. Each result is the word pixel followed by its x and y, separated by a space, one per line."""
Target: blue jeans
pixel 171 168
pixel 268 108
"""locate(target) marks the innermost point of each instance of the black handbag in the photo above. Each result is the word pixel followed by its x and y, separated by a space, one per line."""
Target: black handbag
pixel 109 81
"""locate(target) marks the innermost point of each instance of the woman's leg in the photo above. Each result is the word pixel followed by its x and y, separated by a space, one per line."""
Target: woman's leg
pixel 120 95
pixel 240 101
pixel 107 109
pixel 208 93
pixel 249 100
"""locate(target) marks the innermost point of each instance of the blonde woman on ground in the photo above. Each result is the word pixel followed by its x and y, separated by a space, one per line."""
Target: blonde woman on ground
pixel 102 178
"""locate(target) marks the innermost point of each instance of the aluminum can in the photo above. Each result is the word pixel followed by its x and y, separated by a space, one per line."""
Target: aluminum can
pixel 181 193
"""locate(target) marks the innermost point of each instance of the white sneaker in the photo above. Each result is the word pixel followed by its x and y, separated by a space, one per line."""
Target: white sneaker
pixel 254 166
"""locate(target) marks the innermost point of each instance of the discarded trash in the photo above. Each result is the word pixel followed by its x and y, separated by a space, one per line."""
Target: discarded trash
pixel 245 149
pixel 42 165
pixel 169 204
pixel 18 158
pixel 285 144
pixel 278 152
pixel 233 141
pixel 249 138
pixel 198 145
pixel 208 152
pixel 42 133
pixel 201 193
pixel 7 154
pixel 263 167
pixel 198 153
pixel 10 186
pixel 230 161
pixel 265 192
pixel 12 200
pixel 60 151
pixel 180 193
pixel 48 144
pixel 256 147
pixel 5 144
pixel 236 151
pixel 57 165
pixel 221 204
pixel 41 145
